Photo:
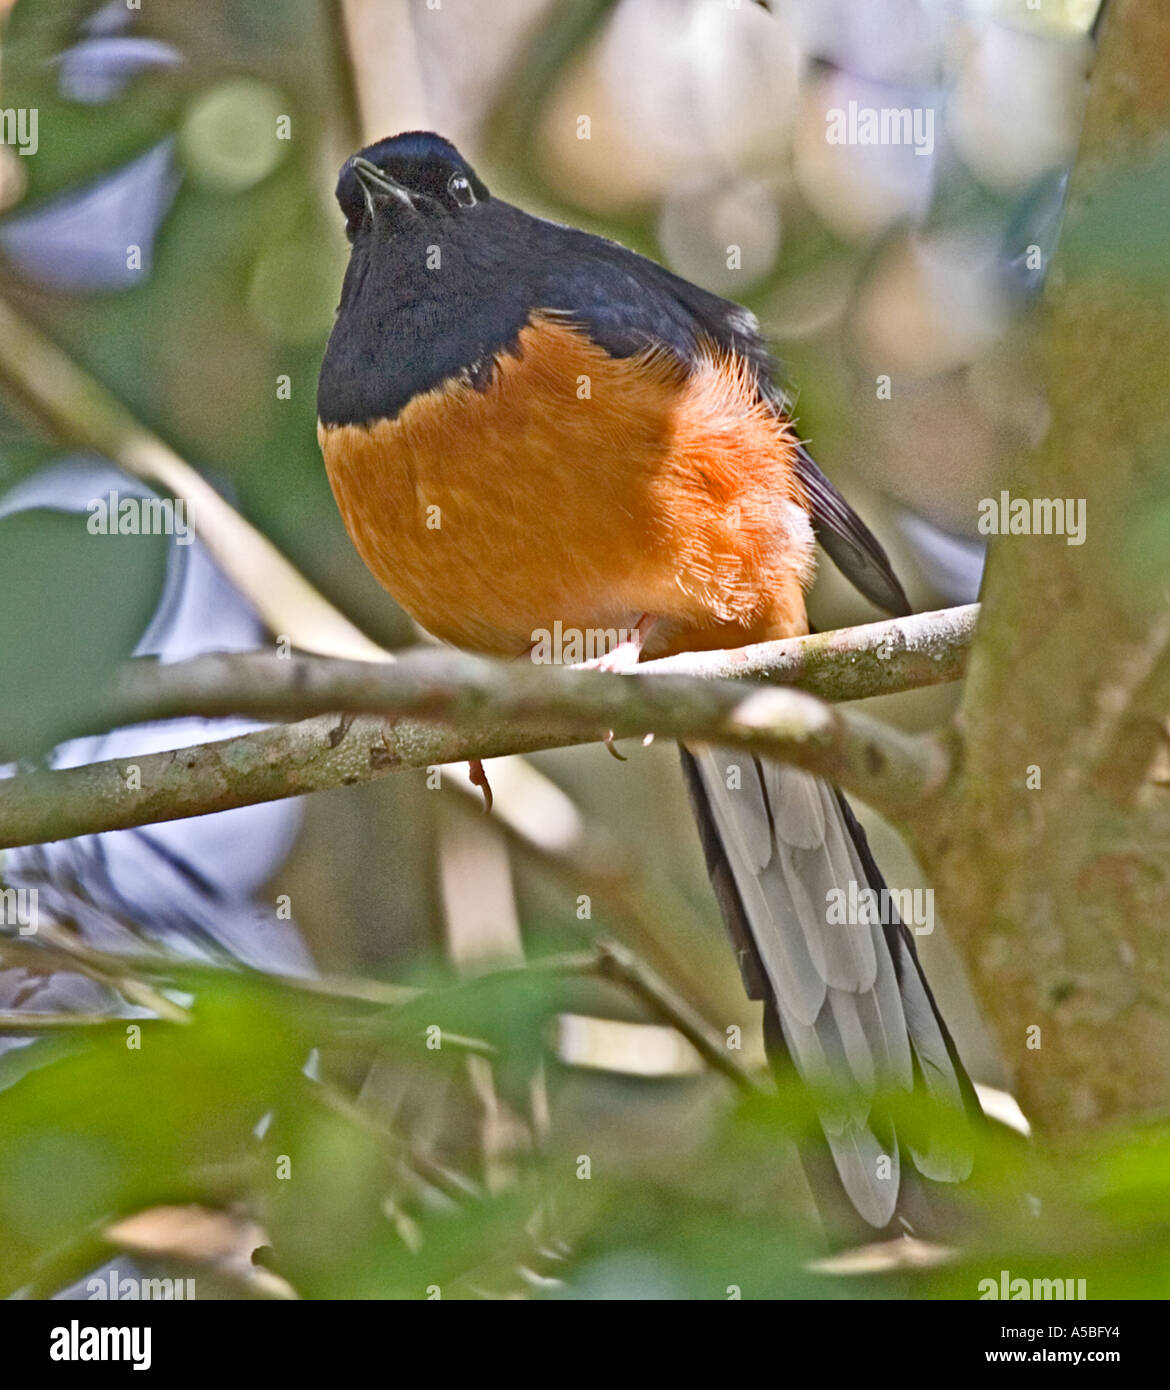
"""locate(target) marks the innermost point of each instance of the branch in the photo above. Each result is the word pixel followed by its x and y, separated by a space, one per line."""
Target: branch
pixel 13 1021
pixel 481 709
pixel 614 962
pixel 849 664
pixel 607 960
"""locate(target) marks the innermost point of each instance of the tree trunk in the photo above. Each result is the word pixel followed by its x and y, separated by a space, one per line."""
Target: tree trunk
pixel 1058 894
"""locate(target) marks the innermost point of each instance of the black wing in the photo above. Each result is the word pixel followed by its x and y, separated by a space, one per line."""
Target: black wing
pixel 849 542
pixel 628 303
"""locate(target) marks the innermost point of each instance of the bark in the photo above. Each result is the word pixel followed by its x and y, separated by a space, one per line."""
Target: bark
pixel 1059 895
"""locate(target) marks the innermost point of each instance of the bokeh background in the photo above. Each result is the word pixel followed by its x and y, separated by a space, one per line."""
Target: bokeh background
pixel 208 138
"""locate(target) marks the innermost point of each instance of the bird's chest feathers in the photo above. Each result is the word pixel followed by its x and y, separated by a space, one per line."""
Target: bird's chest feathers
pixel 573 486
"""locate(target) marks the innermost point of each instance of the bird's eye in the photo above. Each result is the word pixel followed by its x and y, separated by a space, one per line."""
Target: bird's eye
pixel 460 189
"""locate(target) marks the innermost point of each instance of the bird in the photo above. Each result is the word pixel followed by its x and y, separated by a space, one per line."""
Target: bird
pixel 523 424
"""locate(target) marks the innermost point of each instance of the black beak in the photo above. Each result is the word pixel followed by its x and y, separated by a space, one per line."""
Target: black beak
pixel 378 184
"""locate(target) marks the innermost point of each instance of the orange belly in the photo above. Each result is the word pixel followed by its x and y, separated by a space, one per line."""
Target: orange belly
pixel 582 489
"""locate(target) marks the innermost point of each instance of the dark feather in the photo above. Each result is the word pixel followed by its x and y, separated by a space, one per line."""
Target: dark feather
pixel 849 542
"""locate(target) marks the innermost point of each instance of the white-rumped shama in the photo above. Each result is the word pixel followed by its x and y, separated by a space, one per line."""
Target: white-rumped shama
pixel 524 424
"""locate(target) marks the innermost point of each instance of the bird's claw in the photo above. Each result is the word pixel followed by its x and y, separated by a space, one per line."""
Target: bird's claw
pixel 479 778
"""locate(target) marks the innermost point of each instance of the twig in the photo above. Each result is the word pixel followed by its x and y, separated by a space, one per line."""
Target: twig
pixel 106 968
pixel 609 960
pixel 586 856
pixel 69 953
pixel 13 1021
pixel 614 962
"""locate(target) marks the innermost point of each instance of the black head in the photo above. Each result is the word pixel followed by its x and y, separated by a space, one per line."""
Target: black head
pixel 410 176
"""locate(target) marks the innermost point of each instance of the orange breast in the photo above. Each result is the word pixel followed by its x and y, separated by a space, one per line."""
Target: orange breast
pixel 582 489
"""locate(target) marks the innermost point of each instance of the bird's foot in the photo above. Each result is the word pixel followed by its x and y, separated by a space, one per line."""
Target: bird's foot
pixel 479 778
pixel 620 660
pixel 340 729
pixel 625 655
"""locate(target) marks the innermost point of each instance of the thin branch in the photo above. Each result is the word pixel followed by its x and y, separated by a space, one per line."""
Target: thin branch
pixel 849 664
pixel 13 1021
pixel 62 948
pixel 610 960
pixel 614 962
pixel 65 950
pixel 607 960
pixel 487 709
pixel 106 969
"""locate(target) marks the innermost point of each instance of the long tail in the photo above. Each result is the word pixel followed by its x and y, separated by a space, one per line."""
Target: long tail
pixel 848 1004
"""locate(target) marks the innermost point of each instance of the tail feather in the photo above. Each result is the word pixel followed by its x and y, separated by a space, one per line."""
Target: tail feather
pixel 853 1007
pixel 930 1037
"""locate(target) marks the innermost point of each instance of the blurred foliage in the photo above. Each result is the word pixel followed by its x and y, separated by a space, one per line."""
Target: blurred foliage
pixel 353 1209
pixel 69 608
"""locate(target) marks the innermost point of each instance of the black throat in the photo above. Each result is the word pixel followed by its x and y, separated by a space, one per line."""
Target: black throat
pixel 433 300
